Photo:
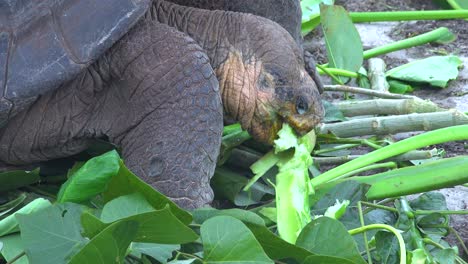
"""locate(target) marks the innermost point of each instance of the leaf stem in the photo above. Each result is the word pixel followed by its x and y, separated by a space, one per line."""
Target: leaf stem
pixel 422 39
pixel 401 242
pixel 430 138
pixel 359 17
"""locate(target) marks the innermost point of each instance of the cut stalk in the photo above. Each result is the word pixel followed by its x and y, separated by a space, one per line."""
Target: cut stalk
pixel 395 124
pixel 386 107
pixel 357 90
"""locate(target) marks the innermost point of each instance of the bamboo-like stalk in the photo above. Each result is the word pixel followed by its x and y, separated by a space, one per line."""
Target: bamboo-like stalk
pixel 357 90
pixel 352 108
pixel 395 124
pixel 376 74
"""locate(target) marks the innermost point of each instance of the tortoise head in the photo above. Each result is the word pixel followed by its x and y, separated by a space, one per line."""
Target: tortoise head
pixel 264 83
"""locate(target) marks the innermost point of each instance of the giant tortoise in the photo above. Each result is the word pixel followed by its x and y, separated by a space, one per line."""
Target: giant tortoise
pixel 150 76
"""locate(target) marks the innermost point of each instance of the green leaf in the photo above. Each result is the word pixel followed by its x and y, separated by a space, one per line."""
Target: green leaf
pixel 12 247
pixel 90 179
pixel 10 224
pixel 125 182
pixel 275 247
pixel 57 225
pixel 109 246
pixel 399 87
pixel 227 184
pixel 445 256
pixel 203 214
pixel 160 252
pixel 410 180
pixel 311 14
pixel 436 70
pixel 386 248
pixel 429 201
pixel 11 180
pixel 458 4
pixel 344 46
pixel 326 260
pixel 326 236
pixel 125 206
pixel 228 240
pixel 154 227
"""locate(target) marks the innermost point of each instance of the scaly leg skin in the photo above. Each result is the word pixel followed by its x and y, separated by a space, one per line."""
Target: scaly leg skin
pixel 154 94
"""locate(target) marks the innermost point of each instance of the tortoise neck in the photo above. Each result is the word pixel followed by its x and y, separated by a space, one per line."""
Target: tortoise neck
pixel 219 33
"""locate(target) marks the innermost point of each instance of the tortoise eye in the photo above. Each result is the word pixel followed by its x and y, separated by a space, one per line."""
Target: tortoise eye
pixel 301 105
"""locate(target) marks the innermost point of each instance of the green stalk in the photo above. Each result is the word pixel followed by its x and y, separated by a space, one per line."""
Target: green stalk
pixel 435 35
pixel 359 17
pixel 339 72
pixel 401 242
pixel 423 140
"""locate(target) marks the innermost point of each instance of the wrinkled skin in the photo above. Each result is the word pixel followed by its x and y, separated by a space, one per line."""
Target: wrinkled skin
pixel 157 95
pixel 286 13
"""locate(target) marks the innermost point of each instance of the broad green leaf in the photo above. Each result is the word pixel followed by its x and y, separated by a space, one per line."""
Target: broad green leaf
pixel 228 240
pixel 399 87
pixel 429 201
pixel 203 214
pixel 10 224
pixel 386 248
pixel 458 4
pixel 125 182
pixel 160 252
pixel 311 14
pixel 11 180
pixel 275 247
pixel 90 179
pixel 12 247
pixel 410 180
pixel 343 43
pixel 445 256
pixel 125 206
pixel 326 236
pixel 154 227
pixel 109 246
pixel 57 225
pixel 436 70
pixel 326 260
pixel 91 225
pixel 227 184
pixel 311 8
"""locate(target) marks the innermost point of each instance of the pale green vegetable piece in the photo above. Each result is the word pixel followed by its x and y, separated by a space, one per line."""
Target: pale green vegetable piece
pixel 337 210
pixel 436 70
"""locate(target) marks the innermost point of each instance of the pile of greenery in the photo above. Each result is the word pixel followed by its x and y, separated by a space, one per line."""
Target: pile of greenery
pixel 282 209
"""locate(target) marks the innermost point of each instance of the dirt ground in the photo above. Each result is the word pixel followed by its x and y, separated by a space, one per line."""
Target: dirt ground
pixel 455 96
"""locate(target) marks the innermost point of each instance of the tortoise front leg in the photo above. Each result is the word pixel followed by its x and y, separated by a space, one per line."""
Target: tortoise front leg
pixel 154 94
